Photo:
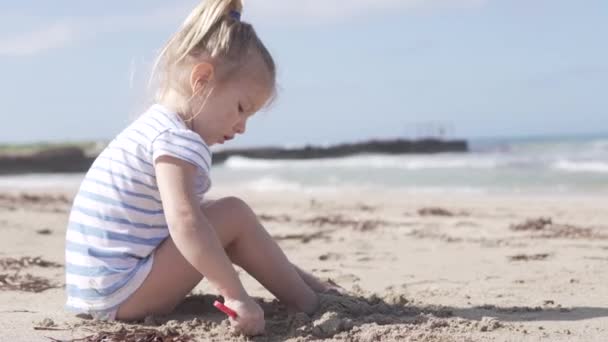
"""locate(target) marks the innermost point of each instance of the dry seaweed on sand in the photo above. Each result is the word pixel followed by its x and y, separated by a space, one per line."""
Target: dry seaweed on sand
pixel 131 335
pixel 435 211
pixel 341 221
pixel 549 230
pixel 304 238
pixel 35 198
pixel 533 224
pixel 27 261
pixel 528 257
pixel 26 283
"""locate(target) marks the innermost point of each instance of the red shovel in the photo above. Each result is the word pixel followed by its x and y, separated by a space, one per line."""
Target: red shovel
pixel 223 308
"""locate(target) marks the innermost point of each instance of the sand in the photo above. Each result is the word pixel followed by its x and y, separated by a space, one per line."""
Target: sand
pixel 417 267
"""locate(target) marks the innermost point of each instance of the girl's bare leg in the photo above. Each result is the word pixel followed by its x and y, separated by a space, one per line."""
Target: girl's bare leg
pixel 320 286
pixel 247 244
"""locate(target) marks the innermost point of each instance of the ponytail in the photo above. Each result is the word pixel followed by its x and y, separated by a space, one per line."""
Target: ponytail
pixel 213 30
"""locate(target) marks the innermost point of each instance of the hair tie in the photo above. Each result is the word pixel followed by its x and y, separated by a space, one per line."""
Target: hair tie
pixel 236 15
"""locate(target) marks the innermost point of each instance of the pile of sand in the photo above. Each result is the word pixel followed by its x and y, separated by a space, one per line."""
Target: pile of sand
pixel 340 317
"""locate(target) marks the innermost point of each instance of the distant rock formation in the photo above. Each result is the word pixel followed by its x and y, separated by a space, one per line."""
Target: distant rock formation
pixel 63 159
pixel 397 146
pixel 73 159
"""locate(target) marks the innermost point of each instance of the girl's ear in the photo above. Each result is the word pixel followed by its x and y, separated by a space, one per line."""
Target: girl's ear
pixel 202 73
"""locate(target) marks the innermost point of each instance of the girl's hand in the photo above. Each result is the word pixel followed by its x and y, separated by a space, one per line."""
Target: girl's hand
pixel 250 316
pixel 330 287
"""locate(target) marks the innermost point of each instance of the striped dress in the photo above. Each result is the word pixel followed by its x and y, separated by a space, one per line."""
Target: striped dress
pixel 117 218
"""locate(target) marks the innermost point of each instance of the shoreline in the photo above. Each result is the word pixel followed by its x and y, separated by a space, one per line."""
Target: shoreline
pixel 70 182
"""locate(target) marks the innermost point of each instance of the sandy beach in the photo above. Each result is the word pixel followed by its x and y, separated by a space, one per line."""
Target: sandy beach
pixel 418 267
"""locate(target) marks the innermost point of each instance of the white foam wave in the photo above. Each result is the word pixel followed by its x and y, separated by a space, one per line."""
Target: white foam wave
pixel 600 146
pixel 271 184
pixel 581 166
pixel 370 161
pixel 66 181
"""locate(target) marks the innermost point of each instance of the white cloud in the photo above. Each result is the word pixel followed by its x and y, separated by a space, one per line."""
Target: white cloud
pixel 68 31
pixel 29 43
pixel 280 12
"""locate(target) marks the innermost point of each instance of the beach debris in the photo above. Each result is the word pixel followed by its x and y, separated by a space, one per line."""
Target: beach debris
pixel 44 198
pixel 45 231
pixel 365 207
pixel 48 324
pixel 324 220
pixel 567 231
pixel 509 310
pixel 489 324
pixel 437 211
pixel 432 233
pixel 25 198
pixel 52 328
pixel 274 218
pixel 549 230
pixel 26 283
pixel 333 220
pixel 42 202
pixel 533 224
pixel 340 221
pixel 26 261
pixel 330 256
pixel 369 225
pixel 304 238
pixel 314 204
pixel 529 257
pixel 132 335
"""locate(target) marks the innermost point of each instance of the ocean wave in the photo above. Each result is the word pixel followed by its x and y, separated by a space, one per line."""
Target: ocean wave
pixel 370 161
pixel 272 184
pixel 581 166
pixel 38 181
pixel 600 146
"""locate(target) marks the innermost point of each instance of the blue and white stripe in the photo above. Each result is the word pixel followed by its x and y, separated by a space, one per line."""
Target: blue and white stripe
pixel 117 218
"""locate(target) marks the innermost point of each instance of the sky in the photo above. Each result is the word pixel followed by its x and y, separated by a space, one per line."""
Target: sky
pixel 348 70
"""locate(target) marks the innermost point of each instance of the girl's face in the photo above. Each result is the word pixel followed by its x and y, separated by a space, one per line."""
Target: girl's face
pixel 228 107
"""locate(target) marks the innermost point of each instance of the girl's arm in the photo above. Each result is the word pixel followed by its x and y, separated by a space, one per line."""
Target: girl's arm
pixel 190 230
pixel 198 242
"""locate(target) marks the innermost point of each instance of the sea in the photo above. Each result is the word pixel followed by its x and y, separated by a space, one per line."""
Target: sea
pixel 546 165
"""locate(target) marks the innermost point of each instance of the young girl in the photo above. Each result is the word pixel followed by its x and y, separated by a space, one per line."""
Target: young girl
pixel 139 237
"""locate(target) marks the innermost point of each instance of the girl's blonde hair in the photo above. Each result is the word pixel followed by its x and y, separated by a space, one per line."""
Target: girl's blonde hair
pixel 213 31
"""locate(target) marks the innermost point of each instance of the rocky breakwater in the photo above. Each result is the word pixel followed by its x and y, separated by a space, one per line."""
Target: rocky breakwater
pixel 396 146
pixel 61 159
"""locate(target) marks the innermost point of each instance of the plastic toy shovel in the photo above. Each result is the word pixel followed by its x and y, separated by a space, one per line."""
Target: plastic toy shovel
pixel 223 308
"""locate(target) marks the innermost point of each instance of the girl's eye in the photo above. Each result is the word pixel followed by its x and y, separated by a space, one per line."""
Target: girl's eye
pixel 240 108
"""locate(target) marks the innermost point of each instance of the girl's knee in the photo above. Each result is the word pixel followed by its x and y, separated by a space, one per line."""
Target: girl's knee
pixel 234 201
pixel 231 217
pixel 237 207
